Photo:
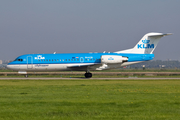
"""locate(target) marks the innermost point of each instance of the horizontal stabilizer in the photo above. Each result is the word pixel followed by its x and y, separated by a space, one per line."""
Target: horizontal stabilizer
pixel 160 34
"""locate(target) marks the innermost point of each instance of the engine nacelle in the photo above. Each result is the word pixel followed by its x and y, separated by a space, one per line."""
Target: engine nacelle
pixel 112 59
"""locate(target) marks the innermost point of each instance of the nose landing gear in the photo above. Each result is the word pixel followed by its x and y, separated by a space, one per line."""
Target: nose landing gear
pixel 26 76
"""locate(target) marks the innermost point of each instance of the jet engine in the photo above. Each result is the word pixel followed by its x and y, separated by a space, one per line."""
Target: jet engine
pixel 113 59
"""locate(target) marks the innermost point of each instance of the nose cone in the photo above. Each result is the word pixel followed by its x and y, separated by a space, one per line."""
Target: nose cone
pixel 13 66
pixel 9 66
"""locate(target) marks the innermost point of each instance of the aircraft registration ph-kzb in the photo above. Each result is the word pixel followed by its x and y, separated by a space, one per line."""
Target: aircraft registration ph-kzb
pixel 143 51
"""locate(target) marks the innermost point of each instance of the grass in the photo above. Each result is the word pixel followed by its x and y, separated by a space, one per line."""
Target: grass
pixel 100 76
pixel 89 99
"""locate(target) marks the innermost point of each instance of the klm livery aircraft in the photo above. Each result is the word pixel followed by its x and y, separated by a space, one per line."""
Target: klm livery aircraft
pixel 143 51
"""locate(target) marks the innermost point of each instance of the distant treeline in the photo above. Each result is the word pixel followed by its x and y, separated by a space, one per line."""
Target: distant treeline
pixel 173 64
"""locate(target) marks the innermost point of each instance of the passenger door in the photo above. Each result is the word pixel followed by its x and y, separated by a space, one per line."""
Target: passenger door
pixel 29 62
pixel 81 59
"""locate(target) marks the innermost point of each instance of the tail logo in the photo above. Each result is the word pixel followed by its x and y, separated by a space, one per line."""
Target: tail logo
pixel 145 45
pixel 110 58
pixel 145 41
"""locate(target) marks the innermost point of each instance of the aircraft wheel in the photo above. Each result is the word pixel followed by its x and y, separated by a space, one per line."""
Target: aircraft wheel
pixel 88 75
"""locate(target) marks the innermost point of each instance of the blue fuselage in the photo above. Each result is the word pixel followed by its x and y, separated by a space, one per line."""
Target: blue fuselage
pixel 73 61
pixel 72 58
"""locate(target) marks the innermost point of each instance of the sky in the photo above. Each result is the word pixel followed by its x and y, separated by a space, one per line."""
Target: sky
pixel 81 26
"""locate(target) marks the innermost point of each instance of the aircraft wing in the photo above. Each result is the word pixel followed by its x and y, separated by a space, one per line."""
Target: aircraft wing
pixel 93 66
pixel 84 66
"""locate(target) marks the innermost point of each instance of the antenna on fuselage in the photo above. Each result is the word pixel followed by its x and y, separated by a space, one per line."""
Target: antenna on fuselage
pixel 54 52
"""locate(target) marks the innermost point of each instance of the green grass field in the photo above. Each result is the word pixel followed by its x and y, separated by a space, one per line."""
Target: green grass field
pixel 90 99
pixel 98 75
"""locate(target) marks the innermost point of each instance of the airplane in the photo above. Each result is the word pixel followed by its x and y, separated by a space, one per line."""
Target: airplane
pixel 143 51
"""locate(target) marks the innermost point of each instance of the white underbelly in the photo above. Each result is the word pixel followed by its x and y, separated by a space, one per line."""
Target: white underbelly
pixel 39 67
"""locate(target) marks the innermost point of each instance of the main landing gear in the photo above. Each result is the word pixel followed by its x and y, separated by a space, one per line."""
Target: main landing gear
pixel 88 75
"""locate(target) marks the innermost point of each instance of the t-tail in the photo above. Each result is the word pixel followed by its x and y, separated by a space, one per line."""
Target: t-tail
pixel 147 44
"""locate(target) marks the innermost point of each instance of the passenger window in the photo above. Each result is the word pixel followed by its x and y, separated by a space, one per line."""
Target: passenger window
pixel 49 60
pixel 71 59
pixel 85 59
pixel 68 59
pixel 60 60
pixel 63 59
pixel 52 60
pixel 38 60
pixel 77 59
pixel 55 60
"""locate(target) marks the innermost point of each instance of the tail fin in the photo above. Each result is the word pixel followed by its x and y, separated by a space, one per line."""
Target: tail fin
pixel 147 44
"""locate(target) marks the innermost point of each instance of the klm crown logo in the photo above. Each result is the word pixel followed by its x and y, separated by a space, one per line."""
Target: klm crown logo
pixel 39 57
pixel 110 58
pixel 145 45
pixel 145 41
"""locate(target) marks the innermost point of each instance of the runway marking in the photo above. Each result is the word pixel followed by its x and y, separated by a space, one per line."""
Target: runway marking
pixel 132 78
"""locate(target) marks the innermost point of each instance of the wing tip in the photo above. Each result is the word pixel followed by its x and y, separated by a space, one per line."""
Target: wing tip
pixel 167 34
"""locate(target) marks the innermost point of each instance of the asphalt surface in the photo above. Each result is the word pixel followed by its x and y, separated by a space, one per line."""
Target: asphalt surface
pixel 130 78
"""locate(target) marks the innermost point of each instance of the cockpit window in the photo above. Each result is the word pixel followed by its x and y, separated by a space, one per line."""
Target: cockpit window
pixel 18 60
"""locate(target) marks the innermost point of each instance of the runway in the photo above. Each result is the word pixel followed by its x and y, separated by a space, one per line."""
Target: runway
pixel 130 78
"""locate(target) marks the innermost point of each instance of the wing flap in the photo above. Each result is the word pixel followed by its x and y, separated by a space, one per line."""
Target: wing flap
pixel 80 65
pixel 84 66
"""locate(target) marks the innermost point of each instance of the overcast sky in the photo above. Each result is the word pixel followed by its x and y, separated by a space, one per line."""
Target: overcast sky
pixel 80 26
